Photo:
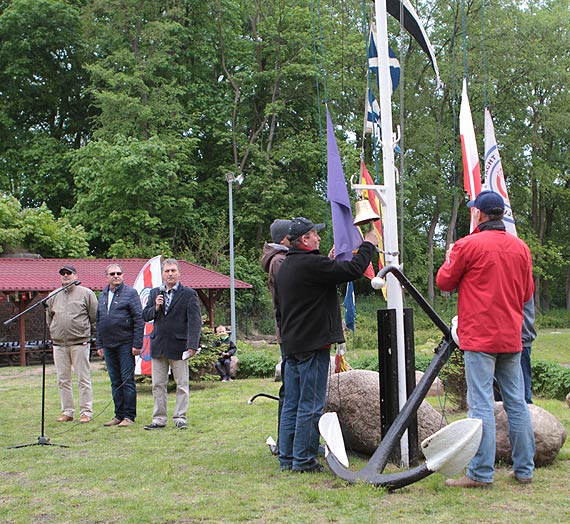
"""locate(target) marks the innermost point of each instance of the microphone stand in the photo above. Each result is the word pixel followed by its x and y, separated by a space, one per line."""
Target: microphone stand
pixel 42 439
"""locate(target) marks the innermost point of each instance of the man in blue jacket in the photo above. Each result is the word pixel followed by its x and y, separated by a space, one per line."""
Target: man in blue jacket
pixel 120 330
pixel 308 315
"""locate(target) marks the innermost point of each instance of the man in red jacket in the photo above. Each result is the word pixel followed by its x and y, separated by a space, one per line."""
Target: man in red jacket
pixel 492 270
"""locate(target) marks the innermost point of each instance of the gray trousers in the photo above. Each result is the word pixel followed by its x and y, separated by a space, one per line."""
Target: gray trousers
pixel 180 372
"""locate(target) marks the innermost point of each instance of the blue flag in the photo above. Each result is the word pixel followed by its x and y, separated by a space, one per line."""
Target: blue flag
pixel 349 307
pixel 347 238
pixel 373 61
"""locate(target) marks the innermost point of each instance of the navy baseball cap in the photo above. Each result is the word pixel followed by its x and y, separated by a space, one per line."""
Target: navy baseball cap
pixel 488 202
pixel 301 226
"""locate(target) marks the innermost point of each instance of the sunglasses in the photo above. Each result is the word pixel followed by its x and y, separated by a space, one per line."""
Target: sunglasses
pixel 115 273
pixel 65 273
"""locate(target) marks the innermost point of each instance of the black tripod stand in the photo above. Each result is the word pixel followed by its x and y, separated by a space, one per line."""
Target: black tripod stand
pixel 42 439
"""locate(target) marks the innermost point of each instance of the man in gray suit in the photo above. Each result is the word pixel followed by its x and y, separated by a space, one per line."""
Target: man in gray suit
pixel 177 326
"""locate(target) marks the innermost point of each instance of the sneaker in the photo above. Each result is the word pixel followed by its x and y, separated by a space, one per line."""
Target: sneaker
pixel 64 418
pixel 181 424
pixel 113 422
pixel 154 426
pixel 84 419
pixel 126 422
pixel 224 379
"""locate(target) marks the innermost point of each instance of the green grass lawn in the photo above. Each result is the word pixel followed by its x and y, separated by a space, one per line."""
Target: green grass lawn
pixel 220 469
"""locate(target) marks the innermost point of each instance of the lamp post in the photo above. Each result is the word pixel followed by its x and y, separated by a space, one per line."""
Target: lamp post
pixel 231 179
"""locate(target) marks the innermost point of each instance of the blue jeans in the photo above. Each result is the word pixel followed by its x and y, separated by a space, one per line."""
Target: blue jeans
pixel 527 374
pixel 480 368
pixel 306 376
pixel 121 368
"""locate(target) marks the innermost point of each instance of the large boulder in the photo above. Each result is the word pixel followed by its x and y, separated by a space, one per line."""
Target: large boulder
pixel 568 400
pixel 436 389
pixel 354 395
pixel 549 434
pixel 234 366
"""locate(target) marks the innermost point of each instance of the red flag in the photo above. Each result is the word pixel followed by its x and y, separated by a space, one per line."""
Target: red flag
pixel 471 168
pixel 149 276
pixel 372 197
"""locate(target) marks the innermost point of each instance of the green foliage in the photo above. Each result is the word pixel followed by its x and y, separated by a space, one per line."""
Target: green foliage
pixel 256 365
pixel 130 194
pixel 550 379
pixel 36 230
pixel 257 360
pixel 553 319
pixel 453 377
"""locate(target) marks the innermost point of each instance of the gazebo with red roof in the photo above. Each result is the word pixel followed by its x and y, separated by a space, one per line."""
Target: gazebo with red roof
pixel 23 279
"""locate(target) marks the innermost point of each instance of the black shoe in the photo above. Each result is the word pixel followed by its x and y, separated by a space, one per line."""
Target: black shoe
pixel 315 468
pixel 154 426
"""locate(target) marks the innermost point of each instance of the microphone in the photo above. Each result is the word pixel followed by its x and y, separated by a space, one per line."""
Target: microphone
pixel 77 282
pixel 162 291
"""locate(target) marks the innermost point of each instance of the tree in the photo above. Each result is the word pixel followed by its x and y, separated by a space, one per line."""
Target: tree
pixel 43 108
pixel 36 230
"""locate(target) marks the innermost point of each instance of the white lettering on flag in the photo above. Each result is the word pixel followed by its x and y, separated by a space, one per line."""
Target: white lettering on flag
pixel 494 176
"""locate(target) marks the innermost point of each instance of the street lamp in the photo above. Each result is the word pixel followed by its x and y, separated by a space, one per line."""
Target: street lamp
pixel 232 179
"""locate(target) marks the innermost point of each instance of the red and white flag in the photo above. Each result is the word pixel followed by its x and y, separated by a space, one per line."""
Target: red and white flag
pixel 471 168
pixel 494 176
pixel 149 276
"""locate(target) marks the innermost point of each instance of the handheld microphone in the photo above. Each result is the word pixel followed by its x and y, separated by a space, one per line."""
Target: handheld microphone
pixel 162 291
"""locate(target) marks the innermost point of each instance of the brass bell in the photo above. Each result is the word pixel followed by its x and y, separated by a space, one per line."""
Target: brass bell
pixel 364 213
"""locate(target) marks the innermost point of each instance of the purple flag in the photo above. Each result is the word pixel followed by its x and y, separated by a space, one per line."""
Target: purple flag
pixel 346 235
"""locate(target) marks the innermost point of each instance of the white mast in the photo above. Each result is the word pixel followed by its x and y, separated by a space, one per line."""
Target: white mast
pixel 394 291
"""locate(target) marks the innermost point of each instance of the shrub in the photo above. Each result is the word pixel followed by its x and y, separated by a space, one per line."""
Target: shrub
pixel 550 379
pixel 256 364
pixel 453 377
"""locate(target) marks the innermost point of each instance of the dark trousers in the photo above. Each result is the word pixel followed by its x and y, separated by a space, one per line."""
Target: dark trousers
pixel 121 368
pixel 223 367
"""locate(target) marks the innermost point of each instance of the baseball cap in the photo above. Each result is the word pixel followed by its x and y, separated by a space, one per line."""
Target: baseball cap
pixel 488 202
pixel 300 226
pixel 279 230
pixel 67 268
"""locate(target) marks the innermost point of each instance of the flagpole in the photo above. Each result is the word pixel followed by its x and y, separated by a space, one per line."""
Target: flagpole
pixel 394 291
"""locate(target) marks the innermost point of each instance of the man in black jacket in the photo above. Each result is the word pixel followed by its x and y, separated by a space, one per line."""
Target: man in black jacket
pixel 309 318
pixel 177 327
pixel 119 338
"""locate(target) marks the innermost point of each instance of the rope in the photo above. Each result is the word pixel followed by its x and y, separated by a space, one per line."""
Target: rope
pixel 484 53
pixel 402 121
pixel 454 110
pixel 318 72
pixel 464 34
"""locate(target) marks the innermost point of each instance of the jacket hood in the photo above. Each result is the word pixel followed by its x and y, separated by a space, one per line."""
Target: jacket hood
pixel 269 251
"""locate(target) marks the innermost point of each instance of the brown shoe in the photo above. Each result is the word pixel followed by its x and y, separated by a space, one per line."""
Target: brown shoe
pixel 113 422
pixel 84 419
pixel 126 422
pixel 520 480
pixel 466 482
pixel 64 418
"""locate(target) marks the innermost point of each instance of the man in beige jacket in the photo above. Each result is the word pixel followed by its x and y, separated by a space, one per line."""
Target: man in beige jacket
pixel 71 317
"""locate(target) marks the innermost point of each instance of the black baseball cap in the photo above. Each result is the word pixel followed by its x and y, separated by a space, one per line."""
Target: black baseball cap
pixel 65 269
pixel 300 226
